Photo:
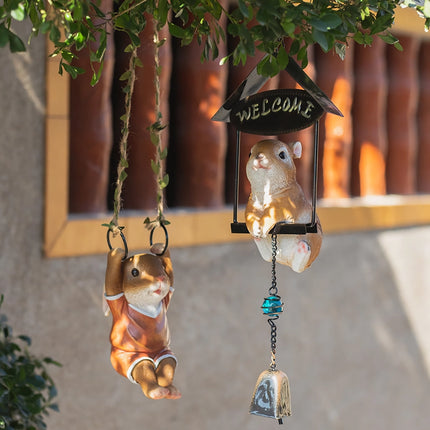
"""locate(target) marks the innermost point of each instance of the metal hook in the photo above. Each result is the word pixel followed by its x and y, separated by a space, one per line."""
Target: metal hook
pixel 123 240
pixel 166 239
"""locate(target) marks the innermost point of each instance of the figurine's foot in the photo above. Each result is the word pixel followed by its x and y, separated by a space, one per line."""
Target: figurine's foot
pixel 157 393
pixel 174 393
pixel 301 256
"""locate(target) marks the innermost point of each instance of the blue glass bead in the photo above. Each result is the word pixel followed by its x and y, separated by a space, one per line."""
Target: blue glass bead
pixel 272 305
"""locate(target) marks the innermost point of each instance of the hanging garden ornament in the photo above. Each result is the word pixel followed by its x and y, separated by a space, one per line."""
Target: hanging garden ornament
pixel 277 206
pixel 277 203
pixel 138 289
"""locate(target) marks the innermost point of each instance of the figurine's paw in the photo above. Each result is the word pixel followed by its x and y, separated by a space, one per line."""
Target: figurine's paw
pixel 174 393
pixel 264 246
pixel 116 254
pixel 301 256
pixel 158 248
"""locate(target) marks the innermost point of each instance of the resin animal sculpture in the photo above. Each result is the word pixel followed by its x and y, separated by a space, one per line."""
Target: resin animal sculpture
pixel 277 197
pixel 138 290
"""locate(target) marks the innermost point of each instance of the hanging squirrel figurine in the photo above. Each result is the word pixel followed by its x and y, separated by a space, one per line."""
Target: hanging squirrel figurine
pixel 138 291
pixel 275 197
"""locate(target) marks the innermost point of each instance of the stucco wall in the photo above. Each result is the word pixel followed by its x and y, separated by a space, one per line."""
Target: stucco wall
pixel 354 338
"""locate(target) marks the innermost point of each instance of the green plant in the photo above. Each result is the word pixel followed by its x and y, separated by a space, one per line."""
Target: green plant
pixel 26 389
pixel 256 24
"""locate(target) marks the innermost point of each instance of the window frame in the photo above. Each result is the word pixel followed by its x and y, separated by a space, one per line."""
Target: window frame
pixel 68 235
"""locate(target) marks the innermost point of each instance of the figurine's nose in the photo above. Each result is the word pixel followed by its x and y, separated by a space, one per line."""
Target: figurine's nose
pixel 260 161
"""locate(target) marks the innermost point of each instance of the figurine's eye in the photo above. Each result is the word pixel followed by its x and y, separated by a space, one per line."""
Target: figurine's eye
pixel 282 155
pixel 135 272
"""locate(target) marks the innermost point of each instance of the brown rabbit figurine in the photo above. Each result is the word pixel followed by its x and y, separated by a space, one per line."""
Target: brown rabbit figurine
pixel 138 291
pixel 276 196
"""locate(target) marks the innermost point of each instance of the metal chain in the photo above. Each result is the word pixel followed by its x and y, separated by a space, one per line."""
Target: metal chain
pixel 273 290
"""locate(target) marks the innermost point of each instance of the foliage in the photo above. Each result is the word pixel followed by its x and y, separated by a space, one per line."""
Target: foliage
pixel 26 389
pixel 256 24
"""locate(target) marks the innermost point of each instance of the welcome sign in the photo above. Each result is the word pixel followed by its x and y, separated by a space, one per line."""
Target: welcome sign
pixel 275 112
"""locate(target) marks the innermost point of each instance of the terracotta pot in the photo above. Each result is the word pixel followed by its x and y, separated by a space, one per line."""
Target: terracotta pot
pixel 304 164
pixel 90 132
pixel 140 188
pixel 401 117
pixel 369 121
pixel 198 145
pixel 423 115
pixel 335 78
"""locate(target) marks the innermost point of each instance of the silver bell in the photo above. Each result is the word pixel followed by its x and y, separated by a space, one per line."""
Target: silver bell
pixel 271 396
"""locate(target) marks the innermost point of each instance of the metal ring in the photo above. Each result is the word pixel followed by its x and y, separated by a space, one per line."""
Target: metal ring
pixel 166 240
pixel 123 240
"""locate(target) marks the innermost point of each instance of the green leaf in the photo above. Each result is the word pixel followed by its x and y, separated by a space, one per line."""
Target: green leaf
pixel 282 58
pixel 177 31
pixel 398 46
pixel 162 12
pixel 268 66
pixel 73 71
pixel 288 27
pixel 26 339
pixel 246 12
pixel 163 153
pixel 125 76
pixel 49 360
pixel 19 13
pixel 122 21
pixel 15 43
pixel 54 407
pixel 102 47
pixel 129 48
pixel 67 55
pixel 326 22
pixel 165 181
pixel 45 26
pixel 96 75
pixel 359 38
pixel 155 167
pixel 135 40
pixel 54 34
pixel 99 13
pixel 388 38
pixel 77 11
pixel 4 35
pixel 138 62
pixel 295 46
pixel 321 39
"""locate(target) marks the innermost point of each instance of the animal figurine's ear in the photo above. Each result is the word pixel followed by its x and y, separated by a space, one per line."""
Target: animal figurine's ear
pixel 296 149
